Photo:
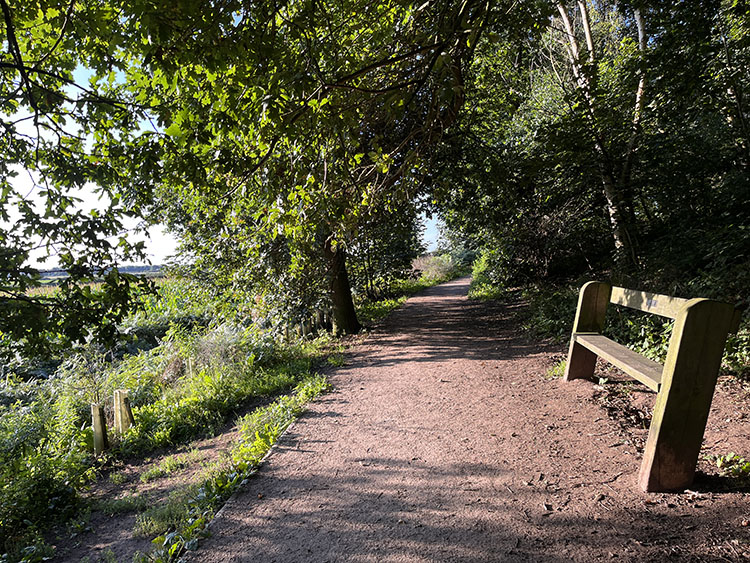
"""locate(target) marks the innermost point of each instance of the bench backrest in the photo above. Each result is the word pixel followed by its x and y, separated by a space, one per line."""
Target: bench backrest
pixel 654 303
pixel 657 304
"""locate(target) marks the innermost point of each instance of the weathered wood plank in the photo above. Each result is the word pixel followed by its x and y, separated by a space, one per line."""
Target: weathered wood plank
pixel 99 424
pixel 684 385
pixel 654 303
pixel 683 404
pixel 123 413
pixel 592 308
pixel 636 366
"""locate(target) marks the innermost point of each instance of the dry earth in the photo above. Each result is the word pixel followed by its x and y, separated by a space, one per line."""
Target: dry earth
pixel 444 441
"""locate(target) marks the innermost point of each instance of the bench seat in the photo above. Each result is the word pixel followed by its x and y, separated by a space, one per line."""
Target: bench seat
pixel 636 366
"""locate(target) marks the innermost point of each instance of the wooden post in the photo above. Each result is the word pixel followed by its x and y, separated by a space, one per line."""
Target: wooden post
pixel 592 307
pixel 684 400
pixel 99 424
pixel 123 414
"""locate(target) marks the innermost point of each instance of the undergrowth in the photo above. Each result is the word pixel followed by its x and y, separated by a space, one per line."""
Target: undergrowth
pixel 188 512
pixel 732 465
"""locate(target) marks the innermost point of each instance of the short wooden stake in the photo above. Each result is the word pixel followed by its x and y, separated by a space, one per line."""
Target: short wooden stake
pixel 592 308
pixel 99 424
pixel 684 400
pixel 123 414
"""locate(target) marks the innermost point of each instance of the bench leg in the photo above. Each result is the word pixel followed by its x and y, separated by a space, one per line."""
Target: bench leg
pixel 592 308
pixel 581 362
pixel 684 399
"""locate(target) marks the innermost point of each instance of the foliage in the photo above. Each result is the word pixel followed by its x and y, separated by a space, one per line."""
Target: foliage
pixel 48 164
pixel 629 165
pixel 383 252
pixel 524 173
pixel 43 459
pixel 487 277
pixel 266 136
pixel 437 268
pixel 128 503
pixel 733 465
pixel 557 371
pixel 168 465
pixel 372 311
pixel 186 386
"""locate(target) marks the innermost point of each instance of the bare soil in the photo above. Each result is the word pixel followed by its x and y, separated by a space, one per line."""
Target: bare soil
pixel 444 439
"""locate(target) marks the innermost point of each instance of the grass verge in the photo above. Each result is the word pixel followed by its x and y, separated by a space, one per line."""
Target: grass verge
pixel 188 514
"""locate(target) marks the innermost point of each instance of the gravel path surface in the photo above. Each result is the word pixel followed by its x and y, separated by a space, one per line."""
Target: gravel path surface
pixel 443 441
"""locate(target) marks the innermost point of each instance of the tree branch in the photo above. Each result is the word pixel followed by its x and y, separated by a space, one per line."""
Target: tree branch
pixel 15 52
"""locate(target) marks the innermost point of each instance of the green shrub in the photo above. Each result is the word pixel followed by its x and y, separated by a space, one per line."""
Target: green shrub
pixel 187 386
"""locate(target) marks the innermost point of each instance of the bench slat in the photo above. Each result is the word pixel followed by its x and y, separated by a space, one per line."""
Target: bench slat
pixel 662 305
pixel 644 370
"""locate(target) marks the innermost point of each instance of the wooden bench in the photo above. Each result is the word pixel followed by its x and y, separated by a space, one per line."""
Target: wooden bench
pixel 684 384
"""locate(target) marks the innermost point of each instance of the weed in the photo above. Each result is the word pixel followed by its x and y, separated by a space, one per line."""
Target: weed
pixel 556 371
pixel 79 525
pixel 372 311
pixel 118 478
pixel 173 514
pixel 732 465
pixel 170 465
pixel 486 291
pixel 336 360
pixel 30 548
pixel 122 505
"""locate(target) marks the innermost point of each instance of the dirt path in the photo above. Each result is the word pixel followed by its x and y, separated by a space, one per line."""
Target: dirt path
pixel 443 441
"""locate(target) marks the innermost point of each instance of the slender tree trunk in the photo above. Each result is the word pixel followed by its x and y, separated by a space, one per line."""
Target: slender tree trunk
pixel 344 314
pixel 617 208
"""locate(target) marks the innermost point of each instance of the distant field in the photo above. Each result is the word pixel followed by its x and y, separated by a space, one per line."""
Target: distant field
pixel 51 278
pixel 53 275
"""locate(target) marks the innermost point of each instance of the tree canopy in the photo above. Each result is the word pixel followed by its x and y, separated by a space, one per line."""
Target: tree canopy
pixel 287 143
pixel 613 139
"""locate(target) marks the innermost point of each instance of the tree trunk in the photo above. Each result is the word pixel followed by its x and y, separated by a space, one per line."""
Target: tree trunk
pixel 615 194
pixel 344 314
